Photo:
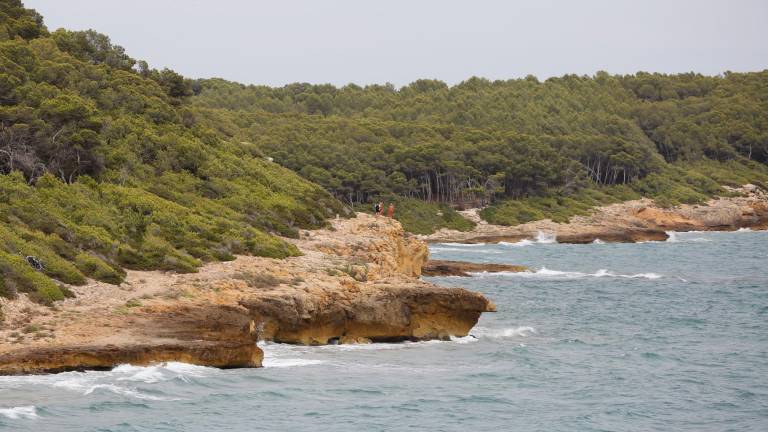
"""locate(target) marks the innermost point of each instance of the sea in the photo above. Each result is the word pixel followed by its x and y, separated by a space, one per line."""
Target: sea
pixel 656 336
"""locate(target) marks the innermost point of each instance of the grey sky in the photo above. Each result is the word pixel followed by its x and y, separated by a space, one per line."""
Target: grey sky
pixel 398 41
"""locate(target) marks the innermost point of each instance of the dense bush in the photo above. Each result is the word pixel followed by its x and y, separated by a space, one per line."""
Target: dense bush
pixel 481 141
pixel 104 166
pixel 676 184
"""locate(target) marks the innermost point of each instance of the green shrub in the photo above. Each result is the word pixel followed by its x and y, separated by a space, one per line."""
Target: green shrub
pixel 97 269
pixel 17 273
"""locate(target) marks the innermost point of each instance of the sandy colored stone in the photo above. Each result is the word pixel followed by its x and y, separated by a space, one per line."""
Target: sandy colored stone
pixel 357 282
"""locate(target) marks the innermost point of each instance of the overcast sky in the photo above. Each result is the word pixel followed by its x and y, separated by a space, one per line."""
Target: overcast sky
pixel 398 41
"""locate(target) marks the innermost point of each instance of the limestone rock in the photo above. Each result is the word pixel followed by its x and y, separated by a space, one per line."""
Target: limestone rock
pixel 356 283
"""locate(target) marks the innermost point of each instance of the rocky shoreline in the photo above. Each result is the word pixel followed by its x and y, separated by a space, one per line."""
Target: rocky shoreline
pixel 357 282
pixel 627 222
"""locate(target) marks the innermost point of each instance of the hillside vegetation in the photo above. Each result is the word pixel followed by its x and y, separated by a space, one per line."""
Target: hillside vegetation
pixel 528 148
pixel 105 166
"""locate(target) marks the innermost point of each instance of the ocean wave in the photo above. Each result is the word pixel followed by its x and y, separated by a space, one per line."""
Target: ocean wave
pixel 675 237
pixel 116 380
pixel 597 241
pixel 542 237
pixel 521 243
pixel 22 412
pixel 464 339
pixel 744 230
pixel 123 391
pixel 86 386
pixel 161 372
pixel 545 273
pixel 288 362
pixel 286 355
pixel 511 332
pixel 545 237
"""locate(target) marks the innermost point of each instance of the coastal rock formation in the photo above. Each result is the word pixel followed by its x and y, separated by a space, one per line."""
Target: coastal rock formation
pixel 623 235
pixel 104 357
pixel 630 221
pixel 387 310
pixel 355 283
pixel 210 335
pixel 463 268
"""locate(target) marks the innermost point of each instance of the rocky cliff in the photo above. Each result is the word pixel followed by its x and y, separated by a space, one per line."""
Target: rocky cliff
pixel 356 283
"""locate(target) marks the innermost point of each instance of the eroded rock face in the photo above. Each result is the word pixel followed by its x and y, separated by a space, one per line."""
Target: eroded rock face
pixel 387 310
pixel 462 268
pixel 103 357
pixel 355 283
pixel 626 235
pixel 221 336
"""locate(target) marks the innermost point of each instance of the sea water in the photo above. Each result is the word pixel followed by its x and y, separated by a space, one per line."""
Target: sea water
pixel 600 337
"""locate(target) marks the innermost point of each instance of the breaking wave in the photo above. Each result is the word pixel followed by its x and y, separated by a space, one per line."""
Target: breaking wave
pixel 541 238
pixel 22 412
pixel 545 273
pixel 545 237
pixel 511 332
pixel 675 237
pixel 119 380
pixel 288 362
pixel 521 243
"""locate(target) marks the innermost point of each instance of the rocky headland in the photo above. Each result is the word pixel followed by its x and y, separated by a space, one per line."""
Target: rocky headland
pixel 627 222
pixel 357 282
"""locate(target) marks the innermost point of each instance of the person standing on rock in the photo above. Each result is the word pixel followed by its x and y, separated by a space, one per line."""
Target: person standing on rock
pixel 391 210
pixel 379 208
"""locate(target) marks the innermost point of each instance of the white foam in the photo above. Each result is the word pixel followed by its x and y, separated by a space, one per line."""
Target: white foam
pixel 545 273
pixel 699 240
pixel 28 412
pixel 541 238
pixel 161 372
pixel 464 339
pixel 86 383
pixel 744 230
pixel 545 237
pixel 598 241
pixel 681 237
pixel 521 243
pixel 288 362
pixel 124 391
pixel 511 332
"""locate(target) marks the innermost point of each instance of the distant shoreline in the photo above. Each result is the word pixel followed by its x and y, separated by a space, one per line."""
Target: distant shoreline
pixel 627 222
